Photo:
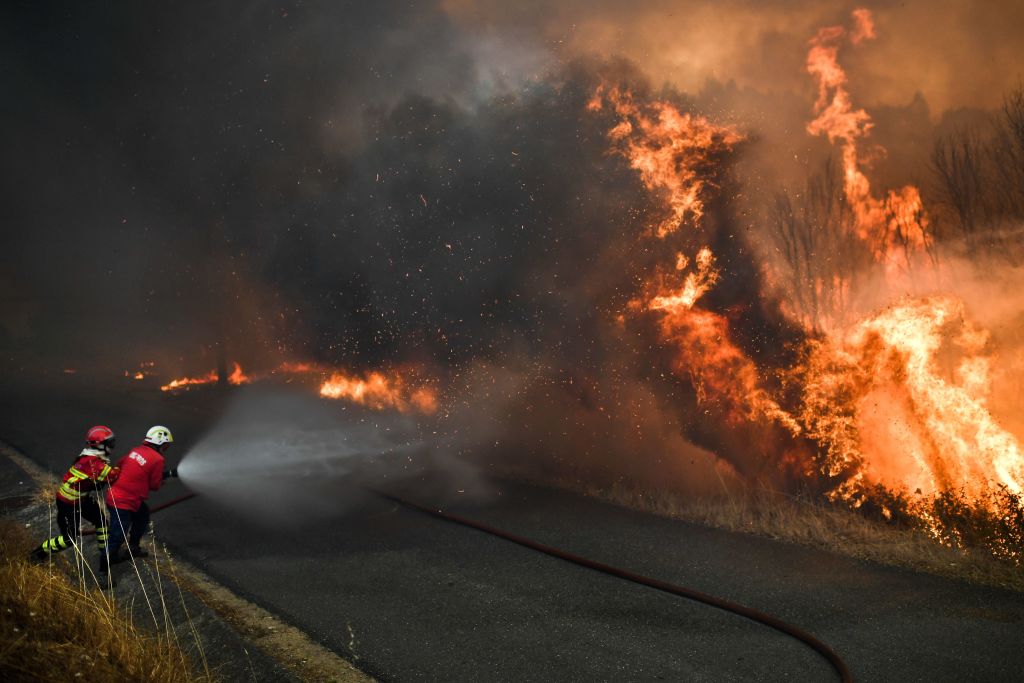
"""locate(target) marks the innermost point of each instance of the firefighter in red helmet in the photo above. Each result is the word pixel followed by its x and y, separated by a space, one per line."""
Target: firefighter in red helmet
pixel 90 471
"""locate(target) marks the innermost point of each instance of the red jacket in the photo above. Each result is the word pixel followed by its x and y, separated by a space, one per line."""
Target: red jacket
pixel 88 472
pixel 142 471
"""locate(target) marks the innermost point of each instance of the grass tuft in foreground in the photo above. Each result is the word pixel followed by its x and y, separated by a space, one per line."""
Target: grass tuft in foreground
pixel 54 629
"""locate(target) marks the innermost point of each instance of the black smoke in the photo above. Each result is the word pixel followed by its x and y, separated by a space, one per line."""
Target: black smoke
pixel 158 154
pixel 358 185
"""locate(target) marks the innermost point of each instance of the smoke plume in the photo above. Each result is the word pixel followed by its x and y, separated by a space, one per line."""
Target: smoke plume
pixel 574 217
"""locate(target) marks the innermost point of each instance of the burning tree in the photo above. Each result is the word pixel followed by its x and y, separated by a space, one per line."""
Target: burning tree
pixel 822 256
pixel 886 406
pixel 896 398
pixel 568 263
pixel 683 159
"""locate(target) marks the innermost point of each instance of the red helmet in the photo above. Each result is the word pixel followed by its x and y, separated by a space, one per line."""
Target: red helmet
pixel 100 437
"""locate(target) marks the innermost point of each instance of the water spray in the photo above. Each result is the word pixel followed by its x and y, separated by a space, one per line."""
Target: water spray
pixel 272 442
pixel 274 449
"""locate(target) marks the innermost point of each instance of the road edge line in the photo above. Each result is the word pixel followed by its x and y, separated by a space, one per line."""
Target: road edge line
pixel 289 646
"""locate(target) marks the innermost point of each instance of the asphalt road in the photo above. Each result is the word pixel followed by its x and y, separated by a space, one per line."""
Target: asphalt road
pixel 410 597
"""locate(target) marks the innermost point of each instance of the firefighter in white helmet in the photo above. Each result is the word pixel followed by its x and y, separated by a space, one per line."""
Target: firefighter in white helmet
pixel 142 471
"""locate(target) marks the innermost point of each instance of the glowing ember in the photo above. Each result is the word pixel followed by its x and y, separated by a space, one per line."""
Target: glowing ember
pixel 377 391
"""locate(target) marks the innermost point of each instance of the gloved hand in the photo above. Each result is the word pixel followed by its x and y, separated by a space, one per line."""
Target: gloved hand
pixel 171 473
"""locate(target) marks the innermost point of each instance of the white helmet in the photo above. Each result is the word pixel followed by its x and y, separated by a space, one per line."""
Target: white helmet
pixel 159 435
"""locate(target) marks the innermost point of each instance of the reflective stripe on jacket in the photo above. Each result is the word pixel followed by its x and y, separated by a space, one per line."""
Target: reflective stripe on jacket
pixel 89 471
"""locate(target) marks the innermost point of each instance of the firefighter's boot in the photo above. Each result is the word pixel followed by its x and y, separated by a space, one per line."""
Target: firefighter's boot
pixel 38 556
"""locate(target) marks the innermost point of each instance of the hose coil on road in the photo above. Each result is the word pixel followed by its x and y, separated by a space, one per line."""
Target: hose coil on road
pixel 788 629
pixel 755 615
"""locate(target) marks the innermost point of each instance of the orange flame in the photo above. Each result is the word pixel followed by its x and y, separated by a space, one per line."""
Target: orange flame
pixel 140 373
pixel 185 382
pixel 236 378
pixel 668 148
pixel 673 153
pixel 723 376
pixel 377 391
pixel 886 225
pixel 899 398
pixel 374 390
pixel 694 286
pixel 885 407
pixel 296 368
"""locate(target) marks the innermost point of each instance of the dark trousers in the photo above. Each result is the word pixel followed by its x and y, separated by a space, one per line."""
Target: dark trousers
pixel 69 520
pixel 130 524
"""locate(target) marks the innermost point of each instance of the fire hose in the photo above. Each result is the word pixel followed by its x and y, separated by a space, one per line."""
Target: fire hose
pixel 788 629
pixel 768 620
pixel 155 508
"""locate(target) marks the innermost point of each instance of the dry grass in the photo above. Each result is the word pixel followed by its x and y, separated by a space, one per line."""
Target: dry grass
pixel 43 492
pixel 54 628
pixel 822 525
